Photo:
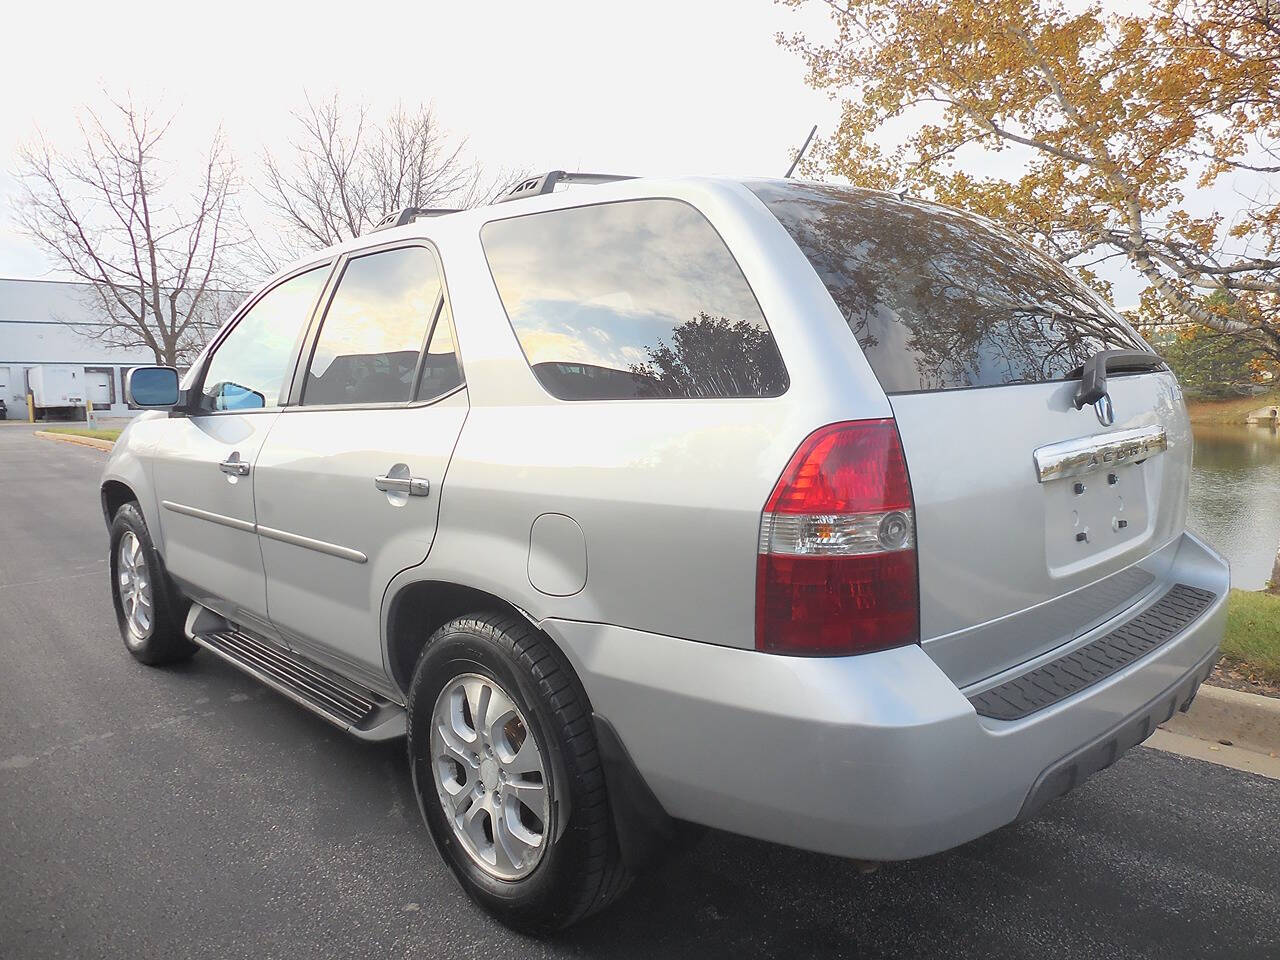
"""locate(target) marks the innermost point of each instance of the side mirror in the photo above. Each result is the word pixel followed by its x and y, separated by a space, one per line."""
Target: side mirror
pixel 233 396
pixel 155 387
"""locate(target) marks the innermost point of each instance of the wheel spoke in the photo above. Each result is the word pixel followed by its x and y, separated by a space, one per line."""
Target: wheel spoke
pixel 500 710
pixel 454 743
pixel 532 795
pixel 483 693
pixel 518 842
pixel 462 800
pixel 508 851
pixel 453 746
pixel 472 823
pixel 525 760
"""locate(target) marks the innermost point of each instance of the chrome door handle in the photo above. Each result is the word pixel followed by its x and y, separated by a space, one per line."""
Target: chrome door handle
pixel 234 468
pixel 413 486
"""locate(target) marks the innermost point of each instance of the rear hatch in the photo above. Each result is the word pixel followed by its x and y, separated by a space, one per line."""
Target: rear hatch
pixel 1036 521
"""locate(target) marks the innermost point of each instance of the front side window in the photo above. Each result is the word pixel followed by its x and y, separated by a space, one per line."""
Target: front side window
pixel 939 299
pixel 373 332
pixel 629 300
pixel 247 370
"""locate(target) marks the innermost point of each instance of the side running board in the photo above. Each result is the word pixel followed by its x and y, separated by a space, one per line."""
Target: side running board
pixel 356 710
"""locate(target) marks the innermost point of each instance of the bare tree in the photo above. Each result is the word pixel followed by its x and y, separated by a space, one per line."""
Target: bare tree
pixel 348 171
pixel 106 214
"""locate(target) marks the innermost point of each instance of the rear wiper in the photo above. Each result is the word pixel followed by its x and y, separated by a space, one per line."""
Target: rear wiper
pixel 1093 375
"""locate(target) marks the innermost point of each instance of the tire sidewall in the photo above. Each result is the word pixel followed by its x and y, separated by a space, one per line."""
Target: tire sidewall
pixel 159 644
pixel 125 521
pixel 538 899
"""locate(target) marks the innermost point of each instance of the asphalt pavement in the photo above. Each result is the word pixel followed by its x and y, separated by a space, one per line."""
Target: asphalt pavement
pixel 191 812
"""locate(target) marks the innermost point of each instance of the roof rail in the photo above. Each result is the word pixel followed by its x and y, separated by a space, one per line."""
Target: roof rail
pixel 409 214
pixel 545 183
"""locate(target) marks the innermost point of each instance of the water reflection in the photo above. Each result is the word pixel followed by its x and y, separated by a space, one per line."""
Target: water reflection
pixel 1235 498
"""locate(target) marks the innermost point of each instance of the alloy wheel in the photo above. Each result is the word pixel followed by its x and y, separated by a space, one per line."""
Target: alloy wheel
pixel 490 776
pixel 134 584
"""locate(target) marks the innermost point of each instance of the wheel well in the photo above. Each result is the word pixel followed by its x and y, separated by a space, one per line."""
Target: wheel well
pixel 422 608
pixel 114 496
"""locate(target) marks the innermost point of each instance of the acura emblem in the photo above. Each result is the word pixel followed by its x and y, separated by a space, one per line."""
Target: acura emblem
pixel 1102 407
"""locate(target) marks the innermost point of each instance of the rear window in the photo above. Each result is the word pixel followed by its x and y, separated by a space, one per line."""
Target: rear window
pixel 939 299
pixel 631 300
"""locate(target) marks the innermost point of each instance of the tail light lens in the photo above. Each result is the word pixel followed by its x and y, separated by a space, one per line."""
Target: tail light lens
pixel 837 572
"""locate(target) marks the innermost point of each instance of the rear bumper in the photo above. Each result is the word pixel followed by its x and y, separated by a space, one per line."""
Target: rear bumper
pixel 879 756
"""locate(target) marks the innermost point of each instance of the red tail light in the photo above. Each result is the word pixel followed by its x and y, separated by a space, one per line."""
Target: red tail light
pixel 837 568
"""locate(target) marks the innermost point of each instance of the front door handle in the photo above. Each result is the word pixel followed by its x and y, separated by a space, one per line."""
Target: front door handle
pixel 413 486
pixel 234 466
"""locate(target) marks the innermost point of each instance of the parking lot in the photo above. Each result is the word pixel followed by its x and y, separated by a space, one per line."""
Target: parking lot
pixel 191 812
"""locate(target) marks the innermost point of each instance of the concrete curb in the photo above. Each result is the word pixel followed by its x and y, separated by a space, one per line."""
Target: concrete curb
pixel 72 438
pixel 1248 721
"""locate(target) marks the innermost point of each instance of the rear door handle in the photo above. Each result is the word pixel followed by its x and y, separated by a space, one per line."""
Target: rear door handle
pixel 413 486
pixel 234 467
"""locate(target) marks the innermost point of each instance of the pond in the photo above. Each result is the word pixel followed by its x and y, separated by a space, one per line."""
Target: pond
pixel 1235 498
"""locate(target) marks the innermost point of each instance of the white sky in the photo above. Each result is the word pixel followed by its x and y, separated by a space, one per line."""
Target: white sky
pixel 666 87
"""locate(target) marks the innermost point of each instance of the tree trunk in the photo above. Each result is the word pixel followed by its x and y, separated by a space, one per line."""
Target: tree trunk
pixel 1274 585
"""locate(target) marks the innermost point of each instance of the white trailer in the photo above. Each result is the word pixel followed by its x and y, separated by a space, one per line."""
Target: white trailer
pixel 57 390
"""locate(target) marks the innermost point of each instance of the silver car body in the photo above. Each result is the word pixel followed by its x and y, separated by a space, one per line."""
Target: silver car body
pixel 627 530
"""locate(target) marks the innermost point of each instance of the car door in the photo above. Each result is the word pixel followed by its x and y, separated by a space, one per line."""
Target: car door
pixel 203 461
pixel 348 483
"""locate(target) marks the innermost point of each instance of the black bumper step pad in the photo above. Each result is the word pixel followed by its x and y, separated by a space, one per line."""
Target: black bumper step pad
pixel 1087 665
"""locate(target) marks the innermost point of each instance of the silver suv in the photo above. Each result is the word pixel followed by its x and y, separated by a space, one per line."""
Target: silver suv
pixel 820 515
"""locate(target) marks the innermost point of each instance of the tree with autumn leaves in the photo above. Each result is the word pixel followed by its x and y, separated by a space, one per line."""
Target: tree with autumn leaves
pixel 1117 117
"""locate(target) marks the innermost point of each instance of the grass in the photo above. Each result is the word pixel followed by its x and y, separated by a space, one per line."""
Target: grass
pixel 85 432
pixel 1230 410
pixel 1253 632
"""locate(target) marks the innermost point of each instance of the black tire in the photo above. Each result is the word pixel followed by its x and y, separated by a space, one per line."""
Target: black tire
pixel 581 870
pixel 164 640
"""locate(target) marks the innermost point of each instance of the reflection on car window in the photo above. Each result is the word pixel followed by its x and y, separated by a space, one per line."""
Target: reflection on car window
pixel 248 368
pixel 637 299
pixel 372 334
pixel 440 371
pixel 938 298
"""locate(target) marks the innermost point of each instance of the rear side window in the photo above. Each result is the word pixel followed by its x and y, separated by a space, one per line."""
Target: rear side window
pixel 374 330
pixel 629 300
pixel 939 299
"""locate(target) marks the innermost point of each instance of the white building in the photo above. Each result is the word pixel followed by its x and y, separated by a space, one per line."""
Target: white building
pixel 45 322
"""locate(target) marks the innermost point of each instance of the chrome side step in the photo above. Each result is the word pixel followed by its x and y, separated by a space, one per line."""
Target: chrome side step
pixel 354 709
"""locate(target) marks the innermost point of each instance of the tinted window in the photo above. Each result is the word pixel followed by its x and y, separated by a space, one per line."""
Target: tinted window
pixel 938 298
pixel 634 299
pixel 248 368
pixel 440 370
pixel 373 331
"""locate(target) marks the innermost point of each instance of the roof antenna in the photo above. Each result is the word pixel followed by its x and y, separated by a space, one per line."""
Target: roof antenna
pixel 792 169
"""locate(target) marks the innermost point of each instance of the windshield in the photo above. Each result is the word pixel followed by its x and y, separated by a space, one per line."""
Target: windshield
pixel 938 298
